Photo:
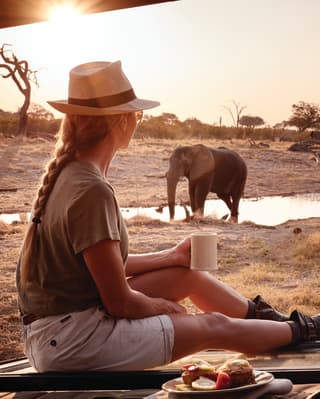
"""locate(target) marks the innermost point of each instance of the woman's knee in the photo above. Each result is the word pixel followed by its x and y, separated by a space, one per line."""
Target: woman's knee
pixel 218 323
pixel 192 277
pixel 217 328
pixel 204 326
pixel 206 329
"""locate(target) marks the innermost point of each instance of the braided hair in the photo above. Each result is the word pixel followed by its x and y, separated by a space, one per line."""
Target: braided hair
pixel 78 132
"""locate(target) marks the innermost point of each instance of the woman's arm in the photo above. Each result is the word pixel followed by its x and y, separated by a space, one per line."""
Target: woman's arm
pixel 106 267
pixel 176 256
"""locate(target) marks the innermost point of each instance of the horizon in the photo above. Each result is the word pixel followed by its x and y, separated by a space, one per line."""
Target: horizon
pixel 194 59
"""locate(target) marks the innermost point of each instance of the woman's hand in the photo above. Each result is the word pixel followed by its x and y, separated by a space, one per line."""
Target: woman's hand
pixel 164 306
pixel 181 253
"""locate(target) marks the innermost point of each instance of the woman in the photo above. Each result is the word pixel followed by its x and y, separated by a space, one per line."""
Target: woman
pixel 88 305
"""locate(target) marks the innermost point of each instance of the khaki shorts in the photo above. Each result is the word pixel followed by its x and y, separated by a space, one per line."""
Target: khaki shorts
pixel 92 340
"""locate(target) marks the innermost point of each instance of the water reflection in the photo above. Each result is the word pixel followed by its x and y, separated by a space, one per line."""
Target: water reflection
pixel 15 217
pixel 268 211
pixel 271 211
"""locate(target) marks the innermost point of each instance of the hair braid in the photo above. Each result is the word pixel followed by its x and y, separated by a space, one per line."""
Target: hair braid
pixel 76 134
pixel 64 153
pixel 54 168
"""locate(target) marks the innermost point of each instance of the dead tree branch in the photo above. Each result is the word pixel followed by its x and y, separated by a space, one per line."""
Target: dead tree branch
pixel 236 112
pixel 23 76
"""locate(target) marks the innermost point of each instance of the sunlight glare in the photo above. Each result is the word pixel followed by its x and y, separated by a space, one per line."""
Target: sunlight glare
pixel 63 13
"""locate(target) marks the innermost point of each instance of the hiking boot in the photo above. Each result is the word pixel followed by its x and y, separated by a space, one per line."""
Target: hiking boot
pixel 309 325
pixel 263 310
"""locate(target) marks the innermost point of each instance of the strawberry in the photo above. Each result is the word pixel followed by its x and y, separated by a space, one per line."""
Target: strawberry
pixel 223 381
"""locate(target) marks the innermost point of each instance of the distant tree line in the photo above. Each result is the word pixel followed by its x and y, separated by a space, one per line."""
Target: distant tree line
pixel 168 126
pixel 33 119
pixel 42 123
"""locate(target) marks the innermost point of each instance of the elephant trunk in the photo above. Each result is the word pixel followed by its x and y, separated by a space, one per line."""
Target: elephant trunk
pixel 171 190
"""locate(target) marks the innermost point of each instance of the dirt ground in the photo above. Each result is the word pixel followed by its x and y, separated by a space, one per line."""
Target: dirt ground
pixel 138 172
pixel 280 262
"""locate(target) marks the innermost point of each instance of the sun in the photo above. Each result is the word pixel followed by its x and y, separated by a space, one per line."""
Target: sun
pixel 62 18
pixel 60 33
pixel 63 13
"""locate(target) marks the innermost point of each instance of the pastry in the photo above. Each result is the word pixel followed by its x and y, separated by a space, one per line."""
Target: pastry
pixel 239 370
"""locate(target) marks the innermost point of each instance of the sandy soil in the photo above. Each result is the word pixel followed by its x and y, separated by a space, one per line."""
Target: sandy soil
pixel 252 258
pixel 138 173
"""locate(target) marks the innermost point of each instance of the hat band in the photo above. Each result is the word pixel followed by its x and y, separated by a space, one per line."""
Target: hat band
pixel 106 101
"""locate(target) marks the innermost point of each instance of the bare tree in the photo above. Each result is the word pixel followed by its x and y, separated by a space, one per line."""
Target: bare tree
pixel 19 72
pixel 235 111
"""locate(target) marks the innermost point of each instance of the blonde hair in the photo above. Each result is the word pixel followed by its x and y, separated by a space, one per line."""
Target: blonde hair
pixel 77 133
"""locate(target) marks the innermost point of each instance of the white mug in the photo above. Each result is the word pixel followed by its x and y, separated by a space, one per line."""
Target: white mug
pixel 204 251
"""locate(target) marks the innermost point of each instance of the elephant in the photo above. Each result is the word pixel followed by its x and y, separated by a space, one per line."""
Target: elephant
pixel 217 170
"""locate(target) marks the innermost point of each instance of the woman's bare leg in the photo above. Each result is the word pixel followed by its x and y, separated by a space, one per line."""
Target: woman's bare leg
pixel 205 291
pixel 214 330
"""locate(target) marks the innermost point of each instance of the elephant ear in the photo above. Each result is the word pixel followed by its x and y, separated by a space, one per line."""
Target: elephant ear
pixel 202 162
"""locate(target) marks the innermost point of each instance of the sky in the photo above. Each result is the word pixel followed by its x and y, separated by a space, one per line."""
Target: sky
pixel 196 57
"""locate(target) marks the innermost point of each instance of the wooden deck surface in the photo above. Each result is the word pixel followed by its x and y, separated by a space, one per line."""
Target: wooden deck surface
pixel 301 356
pixel 298 392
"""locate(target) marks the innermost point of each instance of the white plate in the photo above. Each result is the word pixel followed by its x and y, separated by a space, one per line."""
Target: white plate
pixel 261 377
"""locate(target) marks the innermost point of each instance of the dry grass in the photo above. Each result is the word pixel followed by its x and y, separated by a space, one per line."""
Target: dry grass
pixel 308 249
pixel 10 326
pixel 276 262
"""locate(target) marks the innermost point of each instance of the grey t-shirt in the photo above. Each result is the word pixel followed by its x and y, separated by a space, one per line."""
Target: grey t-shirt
pixel 82 210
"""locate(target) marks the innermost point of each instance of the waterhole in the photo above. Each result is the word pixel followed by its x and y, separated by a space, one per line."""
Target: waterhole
pixel 269 211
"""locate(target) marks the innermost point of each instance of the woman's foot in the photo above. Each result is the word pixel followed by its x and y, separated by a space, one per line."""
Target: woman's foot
pixel 309 326
pixel 262 310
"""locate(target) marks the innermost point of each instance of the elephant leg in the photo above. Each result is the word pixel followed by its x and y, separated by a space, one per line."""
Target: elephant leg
pixel 232 205
pixel 235 205
pixel 200 195
pixel 192 189
pixel 236 195
pixel 235 208
pixel 226 198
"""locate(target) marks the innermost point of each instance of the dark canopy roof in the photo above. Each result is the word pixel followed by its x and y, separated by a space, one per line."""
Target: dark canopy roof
pixel 22 12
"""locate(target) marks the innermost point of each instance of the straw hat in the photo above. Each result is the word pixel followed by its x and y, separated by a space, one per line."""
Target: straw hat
pixel 100 88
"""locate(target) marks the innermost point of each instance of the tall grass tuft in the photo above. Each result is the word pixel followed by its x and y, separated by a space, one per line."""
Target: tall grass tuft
pixel 308 248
